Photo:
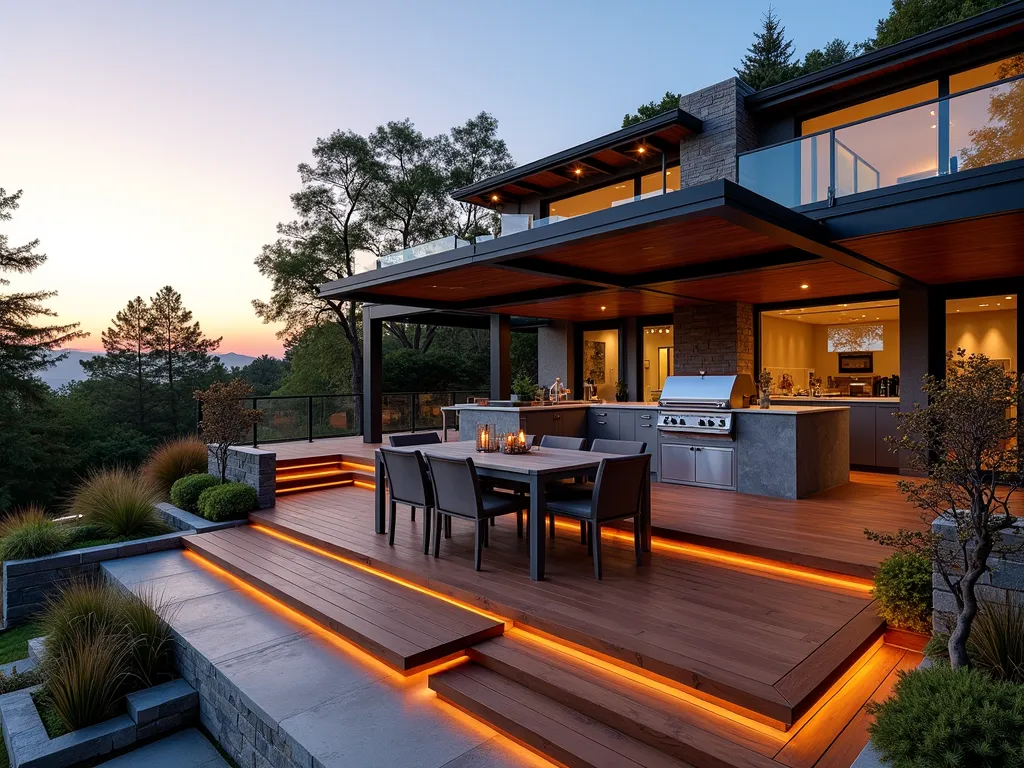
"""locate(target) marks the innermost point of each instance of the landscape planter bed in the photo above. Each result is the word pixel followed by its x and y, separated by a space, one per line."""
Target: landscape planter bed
pixel 150 712
pixel 28 583
pixel 186 522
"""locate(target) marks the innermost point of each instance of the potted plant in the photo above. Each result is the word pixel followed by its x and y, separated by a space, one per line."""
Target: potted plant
pixel 764 384
pixel 621 393
pixel 524 390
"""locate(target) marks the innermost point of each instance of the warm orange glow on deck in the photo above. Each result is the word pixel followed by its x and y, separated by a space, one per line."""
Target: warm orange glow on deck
pixel 314 486
pixel 293 467
pixel 357 465
pixel 286 474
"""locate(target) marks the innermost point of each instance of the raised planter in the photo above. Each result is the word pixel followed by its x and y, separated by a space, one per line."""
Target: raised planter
pixel 180 520
pixel 151 712
pixel 28 583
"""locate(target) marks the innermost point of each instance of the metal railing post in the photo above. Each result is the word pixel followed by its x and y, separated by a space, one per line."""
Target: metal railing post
pixel 833 192
pixel 255 428
pixel 309 417
pixel 413 398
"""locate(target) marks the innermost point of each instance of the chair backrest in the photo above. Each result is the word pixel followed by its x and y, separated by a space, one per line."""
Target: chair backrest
pixel 619 487
pixel 456 486
pixel 408 481
pixel 621 447
pixel 531 440
pixel 416 438
pixel 557 441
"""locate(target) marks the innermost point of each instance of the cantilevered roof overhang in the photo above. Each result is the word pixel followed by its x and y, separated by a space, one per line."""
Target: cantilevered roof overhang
pixel 714 242
pixel 634 146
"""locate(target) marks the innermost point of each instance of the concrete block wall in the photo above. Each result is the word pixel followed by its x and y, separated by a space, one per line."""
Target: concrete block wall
pixel 252 466
pixel 719 336
pixel 728 130
pixel 1006 577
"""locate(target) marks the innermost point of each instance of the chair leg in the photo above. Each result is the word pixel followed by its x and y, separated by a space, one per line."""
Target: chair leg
pixel 426 530
pixel 478 544
pixel 583 531
pixel 551 526
pixel 447 526
pixel 637 544
pixel 391 523
pixel 596 537
pixel 487 533
pixel 519 524
pixel 437 532
pixel 590 538
pixel 494 522
pixel 412 515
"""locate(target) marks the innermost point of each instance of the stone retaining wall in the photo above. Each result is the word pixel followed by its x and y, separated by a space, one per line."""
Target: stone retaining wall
pixel 28 583
pixel 252 466
pixel 1006 577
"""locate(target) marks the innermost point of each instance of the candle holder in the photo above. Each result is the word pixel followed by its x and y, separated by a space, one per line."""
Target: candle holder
pixel 514 443
pixel 486 438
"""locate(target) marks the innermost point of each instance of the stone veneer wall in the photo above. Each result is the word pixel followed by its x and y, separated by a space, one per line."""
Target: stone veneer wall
pixel 1005 579
pixel 728 130
pixel 719 336
pixel 252 466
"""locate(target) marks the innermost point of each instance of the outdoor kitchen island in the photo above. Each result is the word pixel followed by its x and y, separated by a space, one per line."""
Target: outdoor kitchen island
pixel 786 451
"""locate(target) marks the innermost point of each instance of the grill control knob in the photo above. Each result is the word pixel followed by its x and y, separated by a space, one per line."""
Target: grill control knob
pixel 673 420
pixel 701 423
pixel 721 422
pixel 682 421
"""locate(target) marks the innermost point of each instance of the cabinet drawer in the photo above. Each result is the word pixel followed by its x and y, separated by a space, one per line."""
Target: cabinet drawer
pixel 602 425
pixel 645 429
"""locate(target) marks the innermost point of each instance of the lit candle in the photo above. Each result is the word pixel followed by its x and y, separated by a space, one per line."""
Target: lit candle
pixel 522 438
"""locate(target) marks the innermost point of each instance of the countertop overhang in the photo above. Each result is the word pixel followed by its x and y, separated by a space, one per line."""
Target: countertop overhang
pixel 794 409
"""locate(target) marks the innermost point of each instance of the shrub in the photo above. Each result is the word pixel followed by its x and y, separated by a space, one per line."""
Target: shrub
pixel 30 532
pixel 16 680
pixel 89 607
pixel 230 501
pixel 996 643
pixel 945 717
pixel 903 589
pixel 186 491
pixel 174 460
pixel 119 502
pixel 153 641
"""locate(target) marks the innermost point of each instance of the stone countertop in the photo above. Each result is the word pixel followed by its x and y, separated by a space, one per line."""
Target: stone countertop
pixel 827 399
pixel 792 410
pixel 776 409
pixel 517 408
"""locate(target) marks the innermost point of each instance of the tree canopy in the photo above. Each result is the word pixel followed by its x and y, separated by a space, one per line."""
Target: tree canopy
pixel 914 17
pixel 651 109
pixel 769 59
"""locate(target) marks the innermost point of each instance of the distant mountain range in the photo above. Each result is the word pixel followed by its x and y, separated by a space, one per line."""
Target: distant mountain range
pixel 69 369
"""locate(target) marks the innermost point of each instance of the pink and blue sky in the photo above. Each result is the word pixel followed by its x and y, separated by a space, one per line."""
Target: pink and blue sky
pixel 156 143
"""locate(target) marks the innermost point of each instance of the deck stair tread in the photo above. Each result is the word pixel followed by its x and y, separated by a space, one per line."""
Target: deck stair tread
pixel 296 475
pixel 560 733
pixel 402 627
pixel 677 725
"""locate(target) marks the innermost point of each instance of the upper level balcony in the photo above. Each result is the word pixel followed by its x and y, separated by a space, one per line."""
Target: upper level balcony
pixel 942 137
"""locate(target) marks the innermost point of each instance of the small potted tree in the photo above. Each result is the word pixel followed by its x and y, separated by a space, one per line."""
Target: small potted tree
pixel 621 392
pixel 524 390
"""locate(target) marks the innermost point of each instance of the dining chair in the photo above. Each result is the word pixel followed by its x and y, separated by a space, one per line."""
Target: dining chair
pixel 408 483
pixel 558 488
pixel 618 494
pixel 602 445
pixel 457 493
pixel 414 438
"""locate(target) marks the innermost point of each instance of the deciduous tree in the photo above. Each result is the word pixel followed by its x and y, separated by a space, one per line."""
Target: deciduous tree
pixel 915 17
pixel 651 109
pixel 1001 138
pixel 226 419
pixel 835 52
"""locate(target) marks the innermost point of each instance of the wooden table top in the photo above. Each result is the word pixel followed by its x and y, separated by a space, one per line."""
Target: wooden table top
pixel 539 461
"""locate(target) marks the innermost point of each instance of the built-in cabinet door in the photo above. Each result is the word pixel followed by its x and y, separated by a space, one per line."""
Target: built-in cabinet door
pixel 645 430
pixel 626 427
pixel 602 424
pixel 713 466
pixel 862 435
pixel 538 423
pixel 571 422
pixel 885 426
pixel 678 463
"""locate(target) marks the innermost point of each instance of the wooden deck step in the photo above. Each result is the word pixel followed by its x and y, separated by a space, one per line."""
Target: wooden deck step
pixel 542 724
pixel 404 628
pixel 678 726
pixel 296 475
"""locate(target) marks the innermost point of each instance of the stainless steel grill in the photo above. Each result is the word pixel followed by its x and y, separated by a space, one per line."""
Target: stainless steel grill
pixel 702 404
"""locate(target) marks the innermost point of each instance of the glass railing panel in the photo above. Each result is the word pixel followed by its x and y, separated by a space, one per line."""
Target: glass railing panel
pixel 397 412
pixel 336 416
pixel 440 245
pixel 792 174
pixel 888 150
pixel 986 126
pixel 283 418
pixel 549 220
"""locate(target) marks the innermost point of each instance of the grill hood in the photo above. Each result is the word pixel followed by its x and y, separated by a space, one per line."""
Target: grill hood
pixel 707 392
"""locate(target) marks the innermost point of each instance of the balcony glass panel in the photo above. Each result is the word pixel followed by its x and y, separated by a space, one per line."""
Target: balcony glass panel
pixel 440 245
pixel 866 109
pixel 985 126
pixel 888 150
pixel 792 174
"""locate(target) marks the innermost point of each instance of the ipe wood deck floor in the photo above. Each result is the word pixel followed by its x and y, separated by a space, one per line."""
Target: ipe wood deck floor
pixel 766 644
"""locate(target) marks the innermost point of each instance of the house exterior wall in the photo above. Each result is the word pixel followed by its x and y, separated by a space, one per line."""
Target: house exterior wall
pixel 728 130
pixel 716 338
pixel 555 354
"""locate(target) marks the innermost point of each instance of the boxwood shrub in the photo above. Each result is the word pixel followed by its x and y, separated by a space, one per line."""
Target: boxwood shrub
pixel 938 718
pixel 185 492
pixel 903 590
pixel 231 501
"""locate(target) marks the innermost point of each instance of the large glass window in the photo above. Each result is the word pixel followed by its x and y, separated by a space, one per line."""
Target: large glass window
pixel 987 73
pixel 651 183
pixel 985 325
pixel 881 105
pixel 658 359
pixel 595 200
pixel 851 349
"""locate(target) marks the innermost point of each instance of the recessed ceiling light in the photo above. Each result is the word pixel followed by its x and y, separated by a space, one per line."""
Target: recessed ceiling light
pixel 983 305
pixel 494 198
pixel 1009 298
pixel 844 305
pixel 642 150
pixel 804 286
pixel 603 309
pixel 932 113
pixel 578 171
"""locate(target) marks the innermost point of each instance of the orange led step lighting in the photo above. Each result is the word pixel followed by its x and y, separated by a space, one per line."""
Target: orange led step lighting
pixel 314 486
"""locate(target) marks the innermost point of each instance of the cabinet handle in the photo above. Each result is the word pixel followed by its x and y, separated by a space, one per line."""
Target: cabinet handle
pixel 603 414
pixel 645 426
pixel 696 449
pixel 645 415
pixel 691 447
pixel 602 422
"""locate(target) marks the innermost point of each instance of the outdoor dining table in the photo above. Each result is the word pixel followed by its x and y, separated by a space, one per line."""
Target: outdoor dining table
pixel 534 469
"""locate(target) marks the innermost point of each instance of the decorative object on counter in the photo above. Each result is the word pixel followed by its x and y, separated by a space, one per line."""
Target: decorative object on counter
pixel 558 392
pixel 621 393
pixel 514 443
pixel 764 385
pixel 524 390
pixel 486 438
pixel 478 400
pixel 786 385
pixel 589 390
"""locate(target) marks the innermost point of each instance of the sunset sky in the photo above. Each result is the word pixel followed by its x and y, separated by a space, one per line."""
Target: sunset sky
pixel 156 143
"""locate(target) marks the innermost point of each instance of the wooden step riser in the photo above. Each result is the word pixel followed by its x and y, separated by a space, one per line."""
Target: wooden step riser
pixel 648 732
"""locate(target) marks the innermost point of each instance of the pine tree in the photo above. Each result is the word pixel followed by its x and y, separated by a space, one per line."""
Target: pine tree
pixel 128 360
pixel 25 348
pixel 769 59
pixel 178 347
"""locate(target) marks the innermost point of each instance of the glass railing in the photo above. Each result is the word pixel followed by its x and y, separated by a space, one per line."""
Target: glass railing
pixel 968 130
pixel 440 245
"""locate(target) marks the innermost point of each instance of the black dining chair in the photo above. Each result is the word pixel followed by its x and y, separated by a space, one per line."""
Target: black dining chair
pixel 457 493
pixel 584 489
pixel 414 438
pixel 558 488
pixel 618 494
pixel 408 483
